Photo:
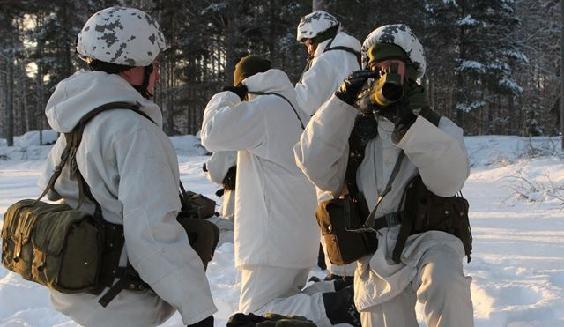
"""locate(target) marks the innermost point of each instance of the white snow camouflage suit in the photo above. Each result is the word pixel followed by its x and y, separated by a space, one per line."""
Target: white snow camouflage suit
pixel 132 170
pixel 276 236
pixel 431 268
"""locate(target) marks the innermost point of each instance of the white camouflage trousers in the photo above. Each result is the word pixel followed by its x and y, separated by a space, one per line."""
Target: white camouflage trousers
pixel 440 286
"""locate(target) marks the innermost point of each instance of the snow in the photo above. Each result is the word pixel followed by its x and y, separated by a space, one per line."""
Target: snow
pixel 471 65
pixel 468 21
pixel 517 266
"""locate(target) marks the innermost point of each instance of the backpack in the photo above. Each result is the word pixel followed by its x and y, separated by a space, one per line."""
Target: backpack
pixel 63 248
pixel 268 320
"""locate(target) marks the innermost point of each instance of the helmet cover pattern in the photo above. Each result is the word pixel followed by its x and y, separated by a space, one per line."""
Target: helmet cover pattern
pixel 402 36
pixel 315 23
pixel 120 35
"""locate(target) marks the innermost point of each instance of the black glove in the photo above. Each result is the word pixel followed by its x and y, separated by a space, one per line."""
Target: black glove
pixel 350 88
pixel 404 113
pixel 208 322
pixel 241 90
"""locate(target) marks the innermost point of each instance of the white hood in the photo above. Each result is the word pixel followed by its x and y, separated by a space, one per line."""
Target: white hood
pixel 270 81
pixel 85 90
pixel 341 40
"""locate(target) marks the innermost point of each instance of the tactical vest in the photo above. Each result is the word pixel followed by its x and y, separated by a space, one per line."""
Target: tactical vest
pixel 420 210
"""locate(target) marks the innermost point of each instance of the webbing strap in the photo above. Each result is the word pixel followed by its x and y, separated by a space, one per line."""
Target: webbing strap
pixel 369 223
pixel 73 140
pixel 286 99
pixel 329 48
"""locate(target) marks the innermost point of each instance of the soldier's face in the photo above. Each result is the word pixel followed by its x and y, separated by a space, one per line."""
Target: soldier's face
pixel 136 75
pixel 310 46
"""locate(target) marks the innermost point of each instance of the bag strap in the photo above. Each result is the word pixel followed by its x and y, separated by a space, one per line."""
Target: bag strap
pixel 73 140
pixel 329 48
pixel 286 99
pixel 369 223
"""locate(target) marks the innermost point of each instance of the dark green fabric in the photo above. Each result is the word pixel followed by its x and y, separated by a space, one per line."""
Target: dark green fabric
pixel 268 320
pixel 53 245
pixel 249 66
pixel 424 211
pixel 382 51
pixel 203 236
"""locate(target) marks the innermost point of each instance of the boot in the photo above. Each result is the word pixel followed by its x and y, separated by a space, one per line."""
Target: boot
pixel 339 307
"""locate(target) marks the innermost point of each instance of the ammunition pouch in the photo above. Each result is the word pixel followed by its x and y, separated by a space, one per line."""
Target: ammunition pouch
pixel 344 246
pixel 424 211
pixel 203 236
pixel 268 320
pixel 196 205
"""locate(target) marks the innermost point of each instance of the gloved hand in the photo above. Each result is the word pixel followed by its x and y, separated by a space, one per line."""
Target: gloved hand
pixel 352 85
pixel 241 90
pixel 405 112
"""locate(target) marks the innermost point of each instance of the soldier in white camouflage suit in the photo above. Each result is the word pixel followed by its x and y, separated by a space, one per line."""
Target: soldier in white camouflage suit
pixel 429 269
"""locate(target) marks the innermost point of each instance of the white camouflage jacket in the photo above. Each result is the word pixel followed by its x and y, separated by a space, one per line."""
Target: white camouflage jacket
pixel 274 201
pixel 327 71
pixel 437 154
pixel 132 170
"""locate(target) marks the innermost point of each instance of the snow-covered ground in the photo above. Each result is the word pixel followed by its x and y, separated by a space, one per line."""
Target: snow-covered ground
pixel 516 193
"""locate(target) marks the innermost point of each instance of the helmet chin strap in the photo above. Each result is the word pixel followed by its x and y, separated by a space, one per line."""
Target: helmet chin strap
pixel 143 89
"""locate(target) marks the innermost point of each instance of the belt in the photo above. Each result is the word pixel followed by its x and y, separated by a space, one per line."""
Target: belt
pixel 387 220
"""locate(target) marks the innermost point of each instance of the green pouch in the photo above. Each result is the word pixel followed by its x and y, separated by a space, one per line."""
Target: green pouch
pixel 275 320
pixel 53 245
pixel 203 235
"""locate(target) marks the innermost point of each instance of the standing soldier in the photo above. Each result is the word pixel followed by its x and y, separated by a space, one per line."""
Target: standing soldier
pixel 332 56
pixel 131 171
pixel 275 233
pixel 409 157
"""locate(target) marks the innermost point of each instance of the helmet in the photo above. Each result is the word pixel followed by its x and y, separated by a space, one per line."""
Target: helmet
pixel 402 36
pixel 315 23
pixel 119 35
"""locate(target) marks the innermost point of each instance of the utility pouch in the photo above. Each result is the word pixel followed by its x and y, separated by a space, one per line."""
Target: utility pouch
pixel 424 211
pixel 344 246
pixel 196 204
pixel 268 320
pixel 203 235
pixel 53 245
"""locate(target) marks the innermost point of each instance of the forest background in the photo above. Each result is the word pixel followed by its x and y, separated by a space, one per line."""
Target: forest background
pixel 493 65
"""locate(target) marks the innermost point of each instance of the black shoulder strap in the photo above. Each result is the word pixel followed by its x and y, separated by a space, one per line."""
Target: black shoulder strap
pixel 339 47
pixel 363 131
pixel 73 140
pixel 288 101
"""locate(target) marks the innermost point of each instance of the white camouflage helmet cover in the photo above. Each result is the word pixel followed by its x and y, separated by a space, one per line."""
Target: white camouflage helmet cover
pixel 314 23
pixel 120 35
pixel 402 36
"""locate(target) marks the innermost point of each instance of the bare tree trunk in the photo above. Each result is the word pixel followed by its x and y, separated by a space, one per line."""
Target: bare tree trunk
pixel 562 75
pixel 9 123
